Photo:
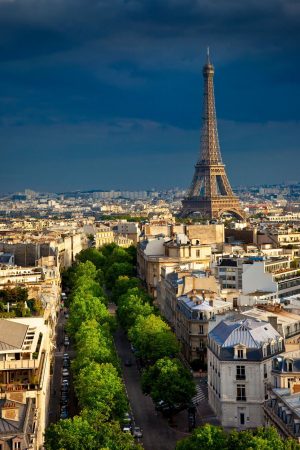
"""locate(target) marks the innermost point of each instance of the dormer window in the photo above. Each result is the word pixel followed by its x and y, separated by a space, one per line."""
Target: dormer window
pixel 264 351
pixel 240 353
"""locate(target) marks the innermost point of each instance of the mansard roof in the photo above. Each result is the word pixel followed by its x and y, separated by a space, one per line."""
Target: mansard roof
pixel 248 332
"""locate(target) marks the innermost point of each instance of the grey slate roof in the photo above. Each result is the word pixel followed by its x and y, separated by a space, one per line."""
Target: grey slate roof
pixel 12 334
pixel 249 332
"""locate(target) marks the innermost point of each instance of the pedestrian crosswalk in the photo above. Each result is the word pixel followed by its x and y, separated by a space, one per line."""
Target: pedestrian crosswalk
pixel 201 394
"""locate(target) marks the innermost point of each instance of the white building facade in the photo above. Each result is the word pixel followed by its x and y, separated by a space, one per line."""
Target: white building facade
pixel 239 359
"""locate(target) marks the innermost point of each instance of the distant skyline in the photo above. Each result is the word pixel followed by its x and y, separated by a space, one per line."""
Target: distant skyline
pixel 108 95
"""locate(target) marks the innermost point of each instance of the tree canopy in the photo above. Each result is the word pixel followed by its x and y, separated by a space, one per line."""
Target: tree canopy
pixel 168 380
pixel 131 305
pixel 71 434
pixel 98 386
pixel 153 338
pixel 210 437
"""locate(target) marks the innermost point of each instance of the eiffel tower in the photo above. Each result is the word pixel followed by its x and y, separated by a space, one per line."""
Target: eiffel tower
pixel 210 194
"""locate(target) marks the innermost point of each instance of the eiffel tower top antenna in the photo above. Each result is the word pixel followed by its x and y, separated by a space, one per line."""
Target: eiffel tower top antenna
pixel 207 54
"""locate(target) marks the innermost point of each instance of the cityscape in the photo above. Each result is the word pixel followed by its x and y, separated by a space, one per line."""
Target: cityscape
pixel 149 292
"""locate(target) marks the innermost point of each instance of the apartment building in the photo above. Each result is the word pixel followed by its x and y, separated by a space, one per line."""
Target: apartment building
pixel 126 229
pixel 196 315
pixel 282 409
pixel 153 255
pixel 103 235
pixel 24 381
pixel 271 275
pixel 191 302
pixel 239 355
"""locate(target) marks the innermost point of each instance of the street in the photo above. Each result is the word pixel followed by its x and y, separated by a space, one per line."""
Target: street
pixel 54 404
pixel 157 434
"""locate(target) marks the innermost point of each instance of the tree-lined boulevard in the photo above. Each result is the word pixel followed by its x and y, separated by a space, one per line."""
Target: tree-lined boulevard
pixel 127 370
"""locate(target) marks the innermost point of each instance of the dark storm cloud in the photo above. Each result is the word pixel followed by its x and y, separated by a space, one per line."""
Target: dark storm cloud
pixel 62 24
pixel 94 66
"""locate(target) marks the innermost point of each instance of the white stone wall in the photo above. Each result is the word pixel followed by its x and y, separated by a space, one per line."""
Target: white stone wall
pixel 222 385
pixel 254 278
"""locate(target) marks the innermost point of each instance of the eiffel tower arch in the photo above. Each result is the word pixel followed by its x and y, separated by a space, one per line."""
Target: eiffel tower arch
pixel 210 194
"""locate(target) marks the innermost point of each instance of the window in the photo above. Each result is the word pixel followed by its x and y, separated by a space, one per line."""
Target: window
pixel 198 254
pixel 241 393
pixel 240 353
pixel 240 373
pixel 266 392
pixel 264 351
pixel 265 371
pixel 242 419
pixel 200 329
pixel 17 446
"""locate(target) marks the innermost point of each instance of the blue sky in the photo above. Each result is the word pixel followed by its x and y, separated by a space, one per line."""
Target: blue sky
pixel 108 94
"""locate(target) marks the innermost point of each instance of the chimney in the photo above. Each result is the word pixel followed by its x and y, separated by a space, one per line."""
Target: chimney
pixel 10 411
pixel 273 321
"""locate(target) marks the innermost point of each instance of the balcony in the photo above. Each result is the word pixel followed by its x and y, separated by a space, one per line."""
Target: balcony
pixel 240 376
pixel 19 364
pixel 25 362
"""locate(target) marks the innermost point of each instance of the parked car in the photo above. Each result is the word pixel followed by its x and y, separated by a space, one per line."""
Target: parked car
pixel 64 388
pixel 137 432
pixel 126 428
pixel 128 362
pixel 67 315
pixel 66 356
pixel 66 363
pixel 65 373
pixel 127 418
pixel 66 340
pixel 65 382
pixel 64 414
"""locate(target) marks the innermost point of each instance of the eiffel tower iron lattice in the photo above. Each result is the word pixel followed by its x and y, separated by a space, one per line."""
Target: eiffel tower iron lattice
pixel 210 194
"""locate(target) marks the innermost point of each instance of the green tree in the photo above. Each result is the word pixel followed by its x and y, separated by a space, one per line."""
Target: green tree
pixel 109 434
pixel 14 295
pixel 170 381
pixel 93 343
pixel 153 338
pixel 130 307
pixel 71 434
pixel 122 285
pixel 99 387
pixel 132 251
pixel 108 249
pixel 87 308
pixel 120 255
pixel 87 269
pixel 116 270
pixel 208 437
pixel 93 255
pixel 85 285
